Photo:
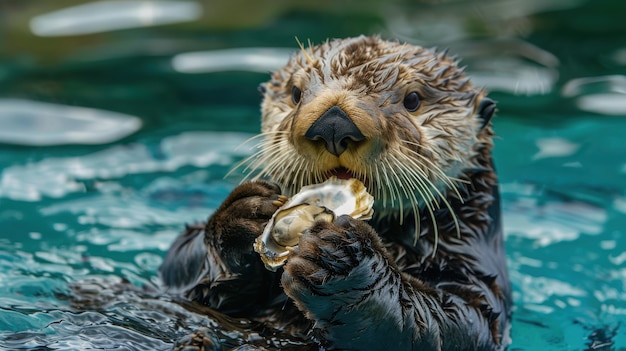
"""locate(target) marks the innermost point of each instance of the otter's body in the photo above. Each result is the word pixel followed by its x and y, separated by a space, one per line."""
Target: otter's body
pixel 428 272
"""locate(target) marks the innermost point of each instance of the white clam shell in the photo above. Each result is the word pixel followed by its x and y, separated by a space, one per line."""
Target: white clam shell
pixel 325 201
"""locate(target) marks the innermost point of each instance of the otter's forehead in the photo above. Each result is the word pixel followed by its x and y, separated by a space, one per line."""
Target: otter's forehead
pixel 373 65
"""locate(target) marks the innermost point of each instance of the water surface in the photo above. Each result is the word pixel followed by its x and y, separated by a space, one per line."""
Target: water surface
pixel 116 135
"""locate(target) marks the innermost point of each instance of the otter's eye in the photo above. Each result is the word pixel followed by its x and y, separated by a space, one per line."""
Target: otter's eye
pixel 296 94
pixel 412 101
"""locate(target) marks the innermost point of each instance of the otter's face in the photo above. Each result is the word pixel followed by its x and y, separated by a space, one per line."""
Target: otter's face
pixel 401 118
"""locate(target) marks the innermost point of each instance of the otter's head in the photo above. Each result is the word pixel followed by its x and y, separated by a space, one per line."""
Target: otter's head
pixel 403 119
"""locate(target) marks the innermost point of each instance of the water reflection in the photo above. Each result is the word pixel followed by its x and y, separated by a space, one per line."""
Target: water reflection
pixel 27 122
pixel 486 35
pixel 241 59
pixel 554 147
pixel 451 21
pixel 510 65
pixel 604 94
pixel 57 177
pixel 103 16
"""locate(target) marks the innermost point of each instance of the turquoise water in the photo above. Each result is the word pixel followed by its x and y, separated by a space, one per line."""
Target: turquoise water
pixel 112 138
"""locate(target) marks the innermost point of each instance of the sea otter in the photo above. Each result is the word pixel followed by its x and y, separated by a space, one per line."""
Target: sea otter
pixel 428 271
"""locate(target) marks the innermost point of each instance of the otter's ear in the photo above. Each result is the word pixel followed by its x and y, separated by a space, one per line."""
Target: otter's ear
pixel 485 111
pixel 262 89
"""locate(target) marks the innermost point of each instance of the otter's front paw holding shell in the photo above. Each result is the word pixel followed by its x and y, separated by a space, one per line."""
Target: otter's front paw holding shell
pixel 243 215
pixel 342 278
pixel 333 261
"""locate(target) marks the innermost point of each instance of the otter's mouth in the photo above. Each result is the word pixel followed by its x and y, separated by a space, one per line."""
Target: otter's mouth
pixel 344 173
pixel 341 173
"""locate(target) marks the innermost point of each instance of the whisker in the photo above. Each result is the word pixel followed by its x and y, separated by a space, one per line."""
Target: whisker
pixel 423 186
pixel 411 180
pixel 258 136
pixel 255 161
pixel 379 192
pixel 420 186
pixel 406 175
pixel 451 182
pixel 395 188
pixel 265 146
pixel 434 166
pixel 282 168
pixel 443 199
pixel 421 177
pixel 301 167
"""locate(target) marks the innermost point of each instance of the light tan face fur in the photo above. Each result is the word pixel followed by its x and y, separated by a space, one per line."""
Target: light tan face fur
pixel 406 156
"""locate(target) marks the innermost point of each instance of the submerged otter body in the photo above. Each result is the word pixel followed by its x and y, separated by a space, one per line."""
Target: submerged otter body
pixel 428 272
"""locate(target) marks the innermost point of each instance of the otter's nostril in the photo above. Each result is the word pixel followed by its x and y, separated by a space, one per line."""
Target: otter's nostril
pixel 336 129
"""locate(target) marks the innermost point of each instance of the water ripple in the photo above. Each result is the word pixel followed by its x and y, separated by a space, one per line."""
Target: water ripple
pixel 58 176
pixel 546 221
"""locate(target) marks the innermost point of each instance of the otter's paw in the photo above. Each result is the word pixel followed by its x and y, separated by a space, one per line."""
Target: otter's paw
pixel 243 215
pixel 332 261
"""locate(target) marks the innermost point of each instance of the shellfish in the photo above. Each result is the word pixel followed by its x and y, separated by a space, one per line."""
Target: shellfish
pixel 325 201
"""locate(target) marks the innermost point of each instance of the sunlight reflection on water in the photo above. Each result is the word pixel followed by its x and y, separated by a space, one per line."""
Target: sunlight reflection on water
pixel 241 59
pixel 28 122
pixel 603 94
pixel 108 15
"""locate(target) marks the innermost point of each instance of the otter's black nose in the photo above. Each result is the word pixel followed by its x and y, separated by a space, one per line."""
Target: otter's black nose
pixel 336 129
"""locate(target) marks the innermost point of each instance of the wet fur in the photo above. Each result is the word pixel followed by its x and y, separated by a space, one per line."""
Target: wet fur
pixel 427 272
